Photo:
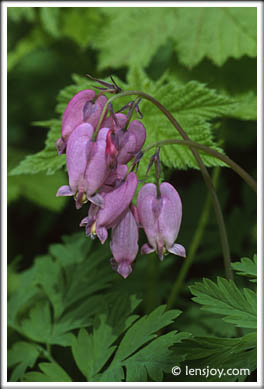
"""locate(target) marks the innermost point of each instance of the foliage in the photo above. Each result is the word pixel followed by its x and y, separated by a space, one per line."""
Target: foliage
pixel 70 317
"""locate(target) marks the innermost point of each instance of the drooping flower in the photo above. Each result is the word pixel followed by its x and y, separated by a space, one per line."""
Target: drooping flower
pixel 116 203
pixel 86 163
pixel 160 218
pixel 83 107
pixel 73 116
pixel 124 244
pixel 131 141
pixel 92 110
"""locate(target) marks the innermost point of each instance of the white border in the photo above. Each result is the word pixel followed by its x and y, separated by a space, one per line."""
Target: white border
pixel 260 232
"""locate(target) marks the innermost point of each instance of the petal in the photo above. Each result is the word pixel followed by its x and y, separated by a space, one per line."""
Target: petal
pixel 124 239
pixel 97 200
pixel 60 146
pixel 117 201
pixel 146 249
pixel 110 123
pixel 147 197
pixel 92 110
pixel 65 190
pixel 170 215
pixel 73 114
pixel 102 233
pixel 124 269
pixel 76 156
pixel 177 249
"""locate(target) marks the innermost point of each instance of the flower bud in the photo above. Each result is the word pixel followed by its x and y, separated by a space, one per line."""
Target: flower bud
pixel 124 244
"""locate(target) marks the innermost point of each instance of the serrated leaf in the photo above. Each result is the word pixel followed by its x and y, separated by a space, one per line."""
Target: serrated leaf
pixel 92 351
pixel 216 33
pixel 144 330
pixel 155 358
pixel 205 353
pixel 23 355
pixel 52 372
pixel 128 48
pixel 224 297
pixel 246 267
pixel 81 24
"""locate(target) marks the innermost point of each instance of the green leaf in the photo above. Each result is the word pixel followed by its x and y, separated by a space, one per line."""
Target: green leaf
pixel 216 33
pixel 52 372
pixel 142 352
pixel 39 327
pixel 23 355
pixel 46 160
pixel 81 24
pixel 50 18
pixel 246 267
pixel 17 14
pixel 92 351
pixel 192 105
pixel 224 297
pixel 129 48
pixel 219 353
pixel 154 358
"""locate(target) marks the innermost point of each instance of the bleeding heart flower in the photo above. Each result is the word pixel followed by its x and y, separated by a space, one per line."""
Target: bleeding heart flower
pixel 116 203
pixel 160 218
pixel 73 116
pixel 130 142
pixel 86 163
pixel 124 244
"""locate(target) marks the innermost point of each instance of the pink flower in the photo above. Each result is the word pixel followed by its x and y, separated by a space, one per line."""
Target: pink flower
pixel 73 116
pixel 124 244
pixel 116 203
pixel 130 142
pixel 160 218
pixel 86 163
pixel 83 107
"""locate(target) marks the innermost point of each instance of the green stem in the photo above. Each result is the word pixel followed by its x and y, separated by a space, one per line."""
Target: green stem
pixel 238 169
pixel 204 171
pixel 194 245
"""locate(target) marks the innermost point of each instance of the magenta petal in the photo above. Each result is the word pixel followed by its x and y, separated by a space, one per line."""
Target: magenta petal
pixel 92 110
pixel 65 190
pixel 177 249
pixel 73 114
pixel 171 214
pixel 76 156
pixel 124 269
pixel 110 123
pixel 97 200
pixel 102 234
pixel 131 141
pixel 116 202
pixel 146 249
pixel 147 197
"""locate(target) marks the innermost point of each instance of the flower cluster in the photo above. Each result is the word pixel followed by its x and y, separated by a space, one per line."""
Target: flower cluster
pixel 98 173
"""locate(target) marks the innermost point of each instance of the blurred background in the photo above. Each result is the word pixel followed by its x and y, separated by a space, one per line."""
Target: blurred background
pixel 45 47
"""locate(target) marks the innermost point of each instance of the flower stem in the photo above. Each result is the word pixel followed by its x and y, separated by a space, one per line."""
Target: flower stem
pixel 194 245
pixel 238 169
